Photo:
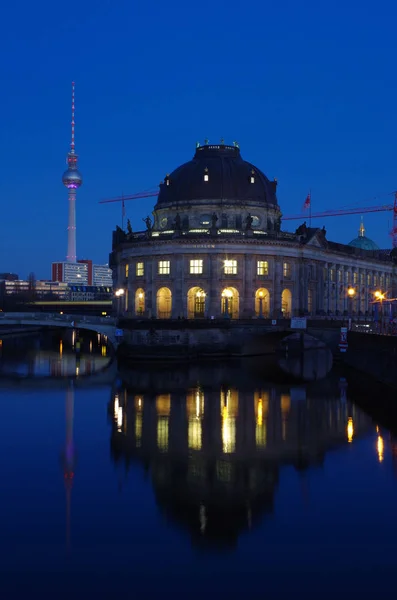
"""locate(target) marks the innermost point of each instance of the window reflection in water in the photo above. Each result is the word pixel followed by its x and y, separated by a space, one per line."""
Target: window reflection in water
pixel 163 409
pixel 285 405
pixel 350 429
pixel 229 412
pixel 195 415
pixel 261 404
pixel 380 448
pixel 138 420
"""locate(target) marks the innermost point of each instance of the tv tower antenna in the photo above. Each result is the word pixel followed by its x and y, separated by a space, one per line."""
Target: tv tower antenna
pixel 72 180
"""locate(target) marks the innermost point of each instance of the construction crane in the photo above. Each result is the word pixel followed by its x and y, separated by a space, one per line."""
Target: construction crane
pixel 297 217
pixel 353 211
pixel 147 194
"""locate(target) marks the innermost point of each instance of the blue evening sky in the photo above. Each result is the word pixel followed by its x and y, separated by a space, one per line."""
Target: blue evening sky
pixel 307 88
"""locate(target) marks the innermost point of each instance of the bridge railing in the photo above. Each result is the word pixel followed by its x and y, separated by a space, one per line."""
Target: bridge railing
pixel 78 319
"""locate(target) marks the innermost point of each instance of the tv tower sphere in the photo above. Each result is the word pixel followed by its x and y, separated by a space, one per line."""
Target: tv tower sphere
pixel 72 179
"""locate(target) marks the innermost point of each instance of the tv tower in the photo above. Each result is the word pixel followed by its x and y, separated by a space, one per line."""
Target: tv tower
pixel 72 180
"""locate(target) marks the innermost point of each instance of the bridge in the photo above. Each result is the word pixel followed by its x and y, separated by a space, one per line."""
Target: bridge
pixel 103 325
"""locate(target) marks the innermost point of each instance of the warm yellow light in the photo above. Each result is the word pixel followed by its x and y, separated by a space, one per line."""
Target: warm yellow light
pixel 261 294
pixel 103 314
pixel 380 447
pixel 350 430
pixel 285 402
pixel 379 295
pixel 61 312
pixel 227 293
pixel 119 418
pixel 259 419
pixel 119 292
pixel 351 292
pixel 140 295
pixel 116 406
pixel 60 348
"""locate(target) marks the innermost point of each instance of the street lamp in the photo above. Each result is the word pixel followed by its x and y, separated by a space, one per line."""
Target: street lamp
pixel 119 294
pixel 380 296
pixel 351 292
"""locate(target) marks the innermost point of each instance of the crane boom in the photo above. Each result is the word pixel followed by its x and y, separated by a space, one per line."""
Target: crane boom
pixel 130 197
pixel 342 211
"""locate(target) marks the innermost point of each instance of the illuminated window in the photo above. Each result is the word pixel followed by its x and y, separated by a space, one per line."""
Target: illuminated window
pixel 310 300
pixel 252 178
pixel 381 281
pixel 332 275
pixel 375 280
pixel 196 267
pixel 286 270
pixel 127 268
pixel 164 267
pixel 369 279
pixel 140 269
pixel 262 267
pixel 347 277
pixel 339 276
pixel 362 278
pixel 206 177
pixel 355 277
pixel 230 267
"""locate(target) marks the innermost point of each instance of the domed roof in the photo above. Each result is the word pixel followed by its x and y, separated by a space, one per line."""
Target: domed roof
pixel 217 172
pixel 362 241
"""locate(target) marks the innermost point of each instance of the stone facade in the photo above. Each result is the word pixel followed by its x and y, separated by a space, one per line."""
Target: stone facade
pixel 192 278
pixel 215 248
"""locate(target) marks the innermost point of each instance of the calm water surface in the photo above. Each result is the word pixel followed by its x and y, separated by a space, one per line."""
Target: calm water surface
pixel 200 481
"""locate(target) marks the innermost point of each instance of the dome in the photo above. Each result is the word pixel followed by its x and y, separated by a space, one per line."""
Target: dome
pixel 217 172
pixel 72 178
pixel 362 241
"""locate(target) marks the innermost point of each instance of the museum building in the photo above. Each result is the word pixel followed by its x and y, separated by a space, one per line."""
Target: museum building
pixel 215 247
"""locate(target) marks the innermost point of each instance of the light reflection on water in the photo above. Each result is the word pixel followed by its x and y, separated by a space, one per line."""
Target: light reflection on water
pixel 209 472
pixel 217 451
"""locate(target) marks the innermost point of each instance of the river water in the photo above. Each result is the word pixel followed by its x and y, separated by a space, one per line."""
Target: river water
pixel 204 481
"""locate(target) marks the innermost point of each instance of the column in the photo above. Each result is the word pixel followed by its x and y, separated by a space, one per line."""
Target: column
pixel 277 276
pixel 319 287
pixel 214 298
pixel 247 307
pixel 179 293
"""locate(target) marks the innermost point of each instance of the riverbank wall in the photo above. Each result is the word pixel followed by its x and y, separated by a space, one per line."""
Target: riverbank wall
pixel 374 355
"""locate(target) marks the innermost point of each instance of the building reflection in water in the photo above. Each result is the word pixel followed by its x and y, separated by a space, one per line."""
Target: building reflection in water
pixel 214 452
pixel 69 457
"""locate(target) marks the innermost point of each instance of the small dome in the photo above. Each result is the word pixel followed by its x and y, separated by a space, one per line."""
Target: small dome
pixel 72 178
pixel 362 241
pixel 217 172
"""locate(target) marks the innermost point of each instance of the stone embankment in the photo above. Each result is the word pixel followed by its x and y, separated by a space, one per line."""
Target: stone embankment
pixel 374 355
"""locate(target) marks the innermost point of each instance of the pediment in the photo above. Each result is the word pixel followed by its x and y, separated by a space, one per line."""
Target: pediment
pixel 317 240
